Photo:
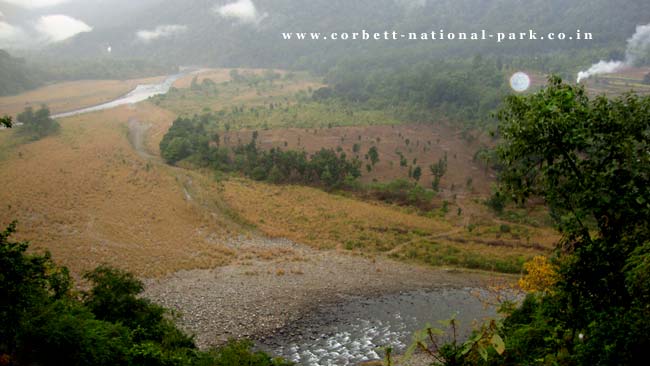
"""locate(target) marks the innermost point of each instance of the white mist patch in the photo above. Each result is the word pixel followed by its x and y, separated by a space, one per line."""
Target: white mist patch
pixel 34 4
pixel 161 31
pixel 520 82
pixel 241 10
pixel 636 54
pixel 10 35
pixel 411 4
pixel 55 28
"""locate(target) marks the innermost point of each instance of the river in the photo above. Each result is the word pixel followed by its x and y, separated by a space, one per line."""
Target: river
pixel 140 93
pixel 356 330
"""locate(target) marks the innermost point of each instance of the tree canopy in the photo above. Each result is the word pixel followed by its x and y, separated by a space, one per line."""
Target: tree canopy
pixel 45 321
pixel 590 161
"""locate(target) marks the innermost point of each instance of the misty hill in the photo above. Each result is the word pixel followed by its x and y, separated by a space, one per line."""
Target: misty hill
pixel 15 75
pixel 196 32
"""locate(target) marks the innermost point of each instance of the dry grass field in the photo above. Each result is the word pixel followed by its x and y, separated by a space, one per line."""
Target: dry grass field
pixel 420 144
pixel 619 83
pixel 89 198
pixel 97 192
pixel 329 221
pixel 184 101
pixel 71 95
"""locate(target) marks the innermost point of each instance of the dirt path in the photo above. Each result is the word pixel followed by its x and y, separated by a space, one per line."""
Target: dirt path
pixel 255 297
pixel 137 134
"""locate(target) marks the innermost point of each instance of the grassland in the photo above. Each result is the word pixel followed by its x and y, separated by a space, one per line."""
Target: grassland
pixel 226 93
pixel 90 197
pixel 619 83
pixel 71 95
pixel 330 221
pixel 420 145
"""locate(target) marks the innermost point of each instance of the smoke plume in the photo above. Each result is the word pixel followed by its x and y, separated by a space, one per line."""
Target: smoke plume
pixel 636 54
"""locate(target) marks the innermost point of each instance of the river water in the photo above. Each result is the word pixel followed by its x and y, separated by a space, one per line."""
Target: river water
pixel 140 93
pixel 356 330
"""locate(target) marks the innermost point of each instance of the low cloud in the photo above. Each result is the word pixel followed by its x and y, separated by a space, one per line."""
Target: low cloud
pixel 161 31
pixel 241 10
pixel 34 4
pixel 11 36
pixel 411 4
pixel 56 28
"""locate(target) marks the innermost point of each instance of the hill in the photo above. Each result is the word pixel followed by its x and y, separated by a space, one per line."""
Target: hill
pixel 15 75
pixel 252 36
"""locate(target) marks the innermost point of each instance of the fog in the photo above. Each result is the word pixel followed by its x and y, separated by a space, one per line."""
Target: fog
pixel 249 32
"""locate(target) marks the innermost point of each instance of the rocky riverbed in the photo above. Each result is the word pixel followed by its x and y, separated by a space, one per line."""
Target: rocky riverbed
pixel 303 296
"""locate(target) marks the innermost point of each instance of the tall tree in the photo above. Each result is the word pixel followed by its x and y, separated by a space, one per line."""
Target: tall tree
pixel 590 161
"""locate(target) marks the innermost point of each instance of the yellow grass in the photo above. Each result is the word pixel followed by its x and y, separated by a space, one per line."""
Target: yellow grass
pixel 187 102
pixel 326 221
pixel 86 196
pixel 63 97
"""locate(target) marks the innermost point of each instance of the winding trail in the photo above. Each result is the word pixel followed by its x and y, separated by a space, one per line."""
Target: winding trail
pixel 137 136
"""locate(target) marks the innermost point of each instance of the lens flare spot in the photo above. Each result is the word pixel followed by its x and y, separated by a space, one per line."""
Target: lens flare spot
pixel 520 82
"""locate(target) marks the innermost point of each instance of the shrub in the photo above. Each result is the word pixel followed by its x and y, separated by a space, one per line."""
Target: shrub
pixel 37 124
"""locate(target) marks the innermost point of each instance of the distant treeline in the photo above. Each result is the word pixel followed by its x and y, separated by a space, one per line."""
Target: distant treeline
pixel 15 76
pixel 467 90
pixel 197 141
pixel 189 138
pixel 101 68
pixel 18 75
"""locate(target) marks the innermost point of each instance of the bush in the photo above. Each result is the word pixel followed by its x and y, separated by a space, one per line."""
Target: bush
pixel 401 192
pixel 37 125
pixel 496 202
pixel 45 323
pixel 239 353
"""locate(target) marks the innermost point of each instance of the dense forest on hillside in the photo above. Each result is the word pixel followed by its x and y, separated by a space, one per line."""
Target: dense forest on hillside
pixel 214 40
pixel 15 75
pixel 211 40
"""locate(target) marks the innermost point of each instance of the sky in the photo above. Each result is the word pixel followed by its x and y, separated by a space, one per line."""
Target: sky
pixel 39 29
pixel 34 4
pixel 41 21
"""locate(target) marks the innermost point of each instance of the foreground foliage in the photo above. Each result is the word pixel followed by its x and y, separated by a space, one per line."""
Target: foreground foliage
pixel 589 160
pixel 46 322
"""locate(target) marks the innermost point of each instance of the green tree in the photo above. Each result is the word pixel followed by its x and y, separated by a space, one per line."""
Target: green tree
pixel 438 170
pixel 373 154
pixel 417 173
pixel 6 121
pixel 589 160
pixel 37 124
pixel 356 148
pixel 45 322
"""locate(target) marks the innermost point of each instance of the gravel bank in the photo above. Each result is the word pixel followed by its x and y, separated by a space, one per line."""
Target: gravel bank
pixel 257 297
